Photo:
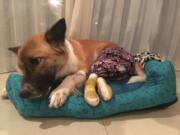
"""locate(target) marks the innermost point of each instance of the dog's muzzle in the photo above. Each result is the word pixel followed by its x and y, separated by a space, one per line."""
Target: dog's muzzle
pixel 30 92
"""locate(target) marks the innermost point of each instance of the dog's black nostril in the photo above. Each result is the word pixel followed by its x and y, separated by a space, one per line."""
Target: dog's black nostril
pixel 24 94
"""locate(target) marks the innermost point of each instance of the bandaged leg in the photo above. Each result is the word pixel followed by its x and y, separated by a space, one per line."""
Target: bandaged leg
pixel 104 89
pixel 90 94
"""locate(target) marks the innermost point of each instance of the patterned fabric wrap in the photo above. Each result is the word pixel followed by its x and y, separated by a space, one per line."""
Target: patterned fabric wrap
pixel 113 63
pixel 144 57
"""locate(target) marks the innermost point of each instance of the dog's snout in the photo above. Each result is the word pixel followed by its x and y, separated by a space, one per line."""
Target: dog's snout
pixel 24 94
pixel 28 91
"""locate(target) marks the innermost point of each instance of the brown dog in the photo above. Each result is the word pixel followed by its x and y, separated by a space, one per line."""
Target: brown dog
pixel 46 57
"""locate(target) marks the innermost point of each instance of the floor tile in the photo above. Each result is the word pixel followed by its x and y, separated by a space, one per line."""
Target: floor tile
pixel 178 82
pixel 13 124
pixel 143 125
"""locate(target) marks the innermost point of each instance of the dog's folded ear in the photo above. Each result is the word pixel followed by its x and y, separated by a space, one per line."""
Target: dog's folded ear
pixel 14 49
pixel 56 34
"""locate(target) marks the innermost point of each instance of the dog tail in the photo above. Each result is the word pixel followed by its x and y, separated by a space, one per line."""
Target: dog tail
pixel 140 75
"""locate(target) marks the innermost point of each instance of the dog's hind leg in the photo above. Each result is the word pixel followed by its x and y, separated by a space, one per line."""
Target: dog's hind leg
pixel 140 75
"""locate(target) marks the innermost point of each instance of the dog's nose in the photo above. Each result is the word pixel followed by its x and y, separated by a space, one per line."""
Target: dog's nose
pixel 28 91
pixel 24 94
pixel 29 95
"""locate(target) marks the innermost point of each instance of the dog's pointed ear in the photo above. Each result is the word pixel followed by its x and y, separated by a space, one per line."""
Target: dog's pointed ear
pixel 14 49
pixel 56 34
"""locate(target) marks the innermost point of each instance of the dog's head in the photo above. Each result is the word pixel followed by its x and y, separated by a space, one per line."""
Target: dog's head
pixel 40 58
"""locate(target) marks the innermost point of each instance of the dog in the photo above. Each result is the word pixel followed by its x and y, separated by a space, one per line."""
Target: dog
pixel 49 56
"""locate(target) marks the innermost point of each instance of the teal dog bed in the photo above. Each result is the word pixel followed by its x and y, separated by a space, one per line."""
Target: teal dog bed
pixel 159 89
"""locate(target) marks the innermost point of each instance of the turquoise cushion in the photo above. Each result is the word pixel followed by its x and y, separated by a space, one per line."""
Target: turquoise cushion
pixel 159 89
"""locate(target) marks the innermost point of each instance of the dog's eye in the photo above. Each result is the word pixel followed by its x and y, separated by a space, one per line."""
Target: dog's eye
pixel 35 61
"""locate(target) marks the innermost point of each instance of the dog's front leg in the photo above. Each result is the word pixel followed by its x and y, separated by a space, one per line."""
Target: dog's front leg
pixel 61 93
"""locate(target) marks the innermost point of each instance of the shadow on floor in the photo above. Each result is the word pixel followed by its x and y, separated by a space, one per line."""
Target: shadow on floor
pixel 53 122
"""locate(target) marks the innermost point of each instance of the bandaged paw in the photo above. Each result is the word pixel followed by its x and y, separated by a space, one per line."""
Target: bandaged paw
pixel 104 89
pixel 90 94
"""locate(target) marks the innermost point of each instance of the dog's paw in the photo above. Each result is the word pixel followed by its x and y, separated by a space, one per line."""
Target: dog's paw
pixel 131 80
pixel 58 98
pixel 135 79
pixel 4 94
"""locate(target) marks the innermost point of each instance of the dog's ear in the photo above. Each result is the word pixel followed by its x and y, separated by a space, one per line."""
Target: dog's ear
pixel 14 49
pixel 56 34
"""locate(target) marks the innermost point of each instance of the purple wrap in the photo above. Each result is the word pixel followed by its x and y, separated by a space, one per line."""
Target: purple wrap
pixel 113 63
